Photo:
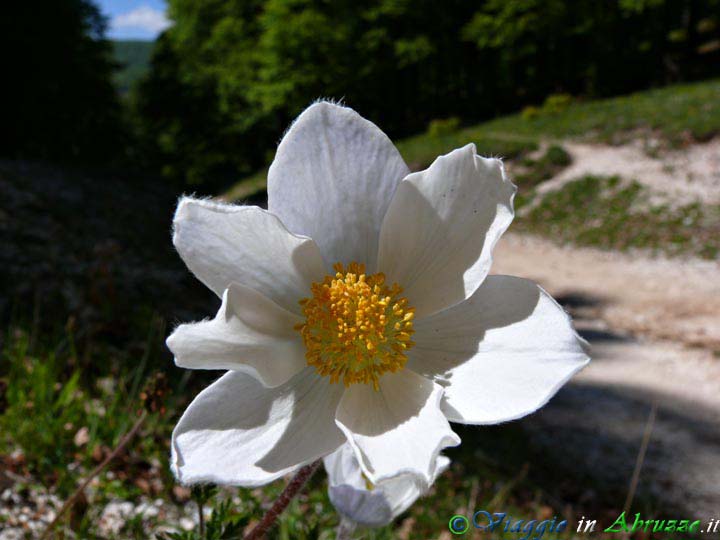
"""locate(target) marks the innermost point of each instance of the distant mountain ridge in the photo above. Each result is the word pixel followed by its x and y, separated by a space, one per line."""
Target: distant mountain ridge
pixel 133 56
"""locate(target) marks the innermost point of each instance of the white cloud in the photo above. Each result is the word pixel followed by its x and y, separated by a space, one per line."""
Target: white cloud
pixel 141 18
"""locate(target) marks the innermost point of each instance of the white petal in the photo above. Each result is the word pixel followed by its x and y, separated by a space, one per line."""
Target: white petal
pixel 397 429
pixel 250 333
pixel 332 179
pixel 379 506
pixel 224 244
pixel 238 432
pixel 501 354
pixel 440 229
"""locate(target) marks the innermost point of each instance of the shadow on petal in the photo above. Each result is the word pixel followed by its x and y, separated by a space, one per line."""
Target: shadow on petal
pixel 239 432
pixel 441 227
pixel 451 337
pixel 500 355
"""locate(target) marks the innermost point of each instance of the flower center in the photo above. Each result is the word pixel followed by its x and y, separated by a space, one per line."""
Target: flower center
pixel 356 327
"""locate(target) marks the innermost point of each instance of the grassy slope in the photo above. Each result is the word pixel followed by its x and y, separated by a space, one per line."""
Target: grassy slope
pixel 134 59
pixel 615 215
pixel 679 113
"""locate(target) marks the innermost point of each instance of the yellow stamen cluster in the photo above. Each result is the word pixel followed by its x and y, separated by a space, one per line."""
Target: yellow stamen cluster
pixel 356 327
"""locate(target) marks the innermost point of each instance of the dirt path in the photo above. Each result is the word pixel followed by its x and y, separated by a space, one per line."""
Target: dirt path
pixel 672 299
pixel 678 176
pixel 654 328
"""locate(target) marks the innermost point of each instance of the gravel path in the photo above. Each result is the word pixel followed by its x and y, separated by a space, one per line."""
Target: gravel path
pixel 672 299
pixel 654 328
pixel 678 176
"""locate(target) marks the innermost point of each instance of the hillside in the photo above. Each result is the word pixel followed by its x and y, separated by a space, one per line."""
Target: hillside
pixel 676 113
pixel 134 59
pixel 648 160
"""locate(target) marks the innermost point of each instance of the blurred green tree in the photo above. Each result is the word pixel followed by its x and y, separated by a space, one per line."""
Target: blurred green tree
pixel 230 75
pixel 59 101
pixel 594 48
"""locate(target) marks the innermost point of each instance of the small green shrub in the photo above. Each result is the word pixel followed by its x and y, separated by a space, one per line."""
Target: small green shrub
pixel 556 155
pixel 554 160
pixel 530 112
pixel 556 103
pixel 444 126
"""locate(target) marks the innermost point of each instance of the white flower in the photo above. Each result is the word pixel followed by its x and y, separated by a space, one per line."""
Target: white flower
pixel 359 360
pixel 362 502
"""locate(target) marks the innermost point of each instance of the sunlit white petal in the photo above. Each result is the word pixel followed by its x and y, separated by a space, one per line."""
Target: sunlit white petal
pixel 440 229
pixel 501 354
pixel 224 244
pixel 249 333
pixel 332 180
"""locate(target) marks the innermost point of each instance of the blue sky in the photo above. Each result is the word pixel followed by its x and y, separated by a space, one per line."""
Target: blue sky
pixel 134 19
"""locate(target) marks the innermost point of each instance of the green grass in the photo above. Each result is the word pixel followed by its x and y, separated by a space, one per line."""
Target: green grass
pixel 133 56
pixel 50 397
pixel 536 171
pixel 610 213
pixel 676 113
